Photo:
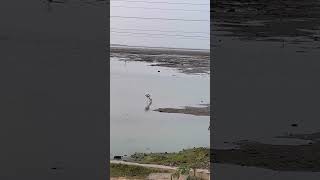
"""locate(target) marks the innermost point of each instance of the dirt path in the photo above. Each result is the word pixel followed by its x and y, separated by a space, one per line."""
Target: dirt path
pixel 200 172
pixel 144 165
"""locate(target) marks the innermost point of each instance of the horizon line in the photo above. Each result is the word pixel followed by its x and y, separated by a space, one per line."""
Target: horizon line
pixel 159 47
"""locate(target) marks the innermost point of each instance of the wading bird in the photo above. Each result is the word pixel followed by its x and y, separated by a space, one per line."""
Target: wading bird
pixel 149 102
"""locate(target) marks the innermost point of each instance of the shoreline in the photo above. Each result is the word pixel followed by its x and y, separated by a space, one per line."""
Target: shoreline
pixel 184 61
pixel 158 50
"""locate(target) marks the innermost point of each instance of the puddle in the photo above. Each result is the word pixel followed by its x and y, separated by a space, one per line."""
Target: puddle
pixel 133 129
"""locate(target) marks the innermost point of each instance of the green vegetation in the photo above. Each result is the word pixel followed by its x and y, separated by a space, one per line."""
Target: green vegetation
pixel 181 170
pixel 131 171
pixel 184 170
pixel 193 158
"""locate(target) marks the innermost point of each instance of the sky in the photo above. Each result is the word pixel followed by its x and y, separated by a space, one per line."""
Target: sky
pixel 160 33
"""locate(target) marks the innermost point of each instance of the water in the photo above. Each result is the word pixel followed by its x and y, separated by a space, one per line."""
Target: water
pixel 135 130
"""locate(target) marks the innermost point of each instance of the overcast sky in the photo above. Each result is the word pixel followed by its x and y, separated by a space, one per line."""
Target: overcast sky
pixel 121 25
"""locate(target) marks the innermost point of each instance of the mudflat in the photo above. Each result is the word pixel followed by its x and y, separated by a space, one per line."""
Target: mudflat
pixel 197 111
pixel 189 61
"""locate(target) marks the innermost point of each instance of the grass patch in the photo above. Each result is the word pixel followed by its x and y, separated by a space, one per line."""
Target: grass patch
pixel 194 158
pixel 131 171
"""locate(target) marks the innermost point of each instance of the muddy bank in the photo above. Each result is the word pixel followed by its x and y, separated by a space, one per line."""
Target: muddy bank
pixel 184 60
pixel 197 111
pixel 304 157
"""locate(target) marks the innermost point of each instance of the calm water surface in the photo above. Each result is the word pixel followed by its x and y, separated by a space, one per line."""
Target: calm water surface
pixel 135 130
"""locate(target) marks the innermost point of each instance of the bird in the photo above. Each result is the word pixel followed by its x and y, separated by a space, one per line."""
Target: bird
pixel 149 103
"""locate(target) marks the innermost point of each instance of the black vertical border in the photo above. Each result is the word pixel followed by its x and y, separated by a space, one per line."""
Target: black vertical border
pixel 40 102
pixel 108 88
pixel 212 92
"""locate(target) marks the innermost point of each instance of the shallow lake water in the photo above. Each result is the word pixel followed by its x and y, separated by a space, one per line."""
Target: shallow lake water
pixel 135 130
